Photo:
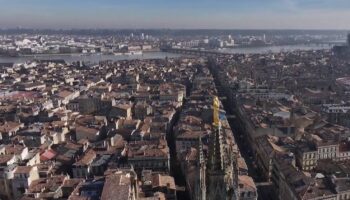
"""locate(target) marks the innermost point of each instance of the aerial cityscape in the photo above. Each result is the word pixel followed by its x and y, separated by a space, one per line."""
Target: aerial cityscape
pixel 175 100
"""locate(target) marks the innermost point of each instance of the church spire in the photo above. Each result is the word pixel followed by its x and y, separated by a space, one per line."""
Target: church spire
pixel 200 149
pixel 215 151
pixel 202 187
pixel 215 145
pixel 220 176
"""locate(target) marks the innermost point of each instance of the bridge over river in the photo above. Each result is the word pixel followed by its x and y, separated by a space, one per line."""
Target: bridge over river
pixel 253 50
pixel 194 52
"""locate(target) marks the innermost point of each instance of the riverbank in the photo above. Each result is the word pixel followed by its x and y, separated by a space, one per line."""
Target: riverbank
pixel 97 57
pixel 89 58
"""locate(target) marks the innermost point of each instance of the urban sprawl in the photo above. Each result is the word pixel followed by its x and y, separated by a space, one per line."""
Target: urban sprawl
pixel 199 127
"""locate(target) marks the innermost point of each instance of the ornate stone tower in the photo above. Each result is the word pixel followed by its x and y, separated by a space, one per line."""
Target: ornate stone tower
pixel 216 174
pixel 201 193
pixel 222 173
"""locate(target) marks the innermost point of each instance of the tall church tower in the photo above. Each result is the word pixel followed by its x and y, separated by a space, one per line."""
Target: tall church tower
pixel 216 174
pixel 221 175
pixel 201 193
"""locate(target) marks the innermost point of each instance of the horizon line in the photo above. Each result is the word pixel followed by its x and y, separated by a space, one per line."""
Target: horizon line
pixel 183 29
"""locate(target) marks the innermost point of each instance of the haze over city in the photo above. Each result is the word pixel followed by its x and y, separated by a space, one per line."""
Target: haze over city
pixel 217 14
pixel 174 100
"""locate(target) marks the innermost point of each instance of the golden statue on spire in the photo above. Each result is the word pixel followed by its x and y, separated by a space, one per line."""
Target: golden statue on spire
pixel 216 110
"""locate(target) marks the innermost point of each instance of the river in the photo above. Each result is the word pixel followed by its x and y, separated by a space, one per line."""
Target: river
pixel 91 58
pixel 275 49
pixel 95 58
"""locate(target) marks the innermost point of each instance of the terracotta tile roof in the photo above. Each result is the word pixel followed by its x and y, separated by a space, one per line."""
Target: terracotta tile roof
pixel 48 155
pixel 23 169
pixel 117 186
pixel 88 157
pixel 159 180
pixel 5 158
pixel 9 126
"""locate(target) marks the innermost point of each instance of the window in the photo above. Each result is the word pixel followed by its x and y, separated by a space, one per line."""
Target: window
pixel 242 194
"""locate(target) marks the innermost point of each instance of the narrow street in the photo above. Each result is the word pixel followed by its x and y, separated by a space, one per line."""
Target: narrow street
pixel 246 151
pixel 175 168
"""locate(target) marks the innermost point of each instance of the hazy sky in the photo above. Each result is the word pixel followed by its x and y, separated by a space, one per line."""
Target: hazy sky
pixel 229 14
